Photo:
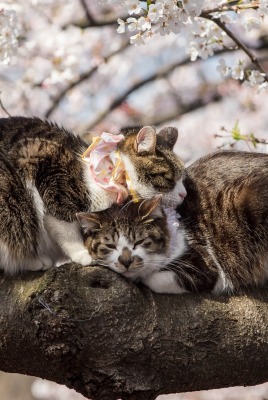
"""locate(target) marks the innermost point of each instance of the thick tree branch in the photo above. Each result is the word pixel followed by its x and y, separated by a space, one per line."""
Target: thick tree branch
pixel 92 330
pixel 121 98
pixel 185 108
pixel 137 85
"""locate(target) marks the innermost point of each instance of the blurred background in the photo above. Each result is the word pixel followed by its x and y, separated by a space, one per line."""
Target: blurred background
pixel 72 67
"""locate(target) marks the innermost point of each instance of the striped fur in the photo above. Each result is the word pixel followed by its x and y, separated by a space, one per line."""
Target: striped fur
pixel 224 223
pixel 49 184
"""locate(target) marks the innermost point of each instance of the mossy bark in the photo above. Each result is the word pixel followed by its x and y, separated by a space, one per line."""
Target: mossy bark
pixel 92 330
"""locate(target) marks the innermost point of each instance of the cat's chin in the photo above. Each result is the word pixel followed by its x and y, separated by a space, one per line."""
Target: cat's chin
pixel 175 197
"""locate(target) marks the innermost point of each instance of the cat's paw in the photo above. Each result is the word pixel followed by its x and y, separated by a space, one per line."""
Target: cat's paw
pixel 47 262
pixel 82 257
pixel 39 264
pixel 163 282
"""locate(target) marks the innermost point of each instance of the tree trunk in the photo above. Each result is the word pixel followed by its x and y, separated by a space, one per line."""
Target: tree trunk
pixel 92 330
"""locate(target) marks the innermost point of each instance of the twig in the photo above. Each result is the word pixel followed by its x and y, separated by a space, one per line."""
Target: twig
pixel 3 107
pixel 86 75
pixel 90 19
pixel 245 138
pixel 159 75
pixel 228 7
pixel 238 42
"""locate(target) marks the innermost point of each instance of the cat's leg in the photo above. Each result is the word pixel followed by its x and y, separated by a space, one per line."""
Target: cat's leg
pixel 12 263
pixel 69 238
pixel 41 263
pixel 163 282
pixel 19 220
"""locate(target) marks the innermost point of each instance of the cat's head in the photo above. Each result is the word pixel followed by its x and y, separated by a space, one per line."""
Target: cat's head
pixel 132 239
pixel 152 165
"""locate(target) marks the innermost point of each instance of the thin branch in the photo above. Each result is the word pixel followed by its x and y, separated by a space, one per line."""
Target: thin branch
pixel 3 107
pixel 96 24
pixel 120 99
pixel 186 108
pixel 84 76
pixel 238 42
pixel 93 23
pixel 228 7
pixel 159 75
pixel 90 19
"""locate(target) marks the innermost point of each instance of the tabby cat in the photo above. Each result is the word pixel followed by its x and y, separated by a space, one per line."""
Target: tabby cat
pixel 47 182
pixel 220 245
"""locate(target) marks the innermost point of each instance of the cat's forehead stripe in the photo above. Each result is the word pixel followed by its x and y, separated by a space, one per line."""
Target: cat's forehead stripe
pixel 123 242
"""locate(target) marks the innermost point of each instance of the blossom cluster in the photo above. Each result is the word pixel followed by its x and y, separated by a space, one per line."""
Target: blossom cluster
pixel 8 34
pixel 250 77
pixel 162 17
pixel 199 25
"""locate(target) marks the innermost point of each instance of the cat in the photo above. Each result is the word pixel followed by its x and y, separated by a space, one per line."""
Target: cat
pixel 220 242
pixel 58 183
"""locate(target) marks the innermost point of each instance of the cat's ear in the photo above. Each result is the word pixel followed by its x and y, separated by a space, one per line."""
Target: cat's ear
pixel 89 222
pixel 167 137
pixel 151 208
pixel 146 140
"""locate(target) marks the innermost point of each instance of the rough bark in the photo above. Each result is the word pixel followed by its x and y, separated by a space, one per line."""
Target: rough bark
pixel 93 331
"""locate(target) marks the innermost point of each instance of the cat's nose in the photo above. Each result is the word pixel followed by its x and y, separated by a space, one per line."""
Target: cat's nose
pixel 126 258
pixel 183 194
pixel 125 261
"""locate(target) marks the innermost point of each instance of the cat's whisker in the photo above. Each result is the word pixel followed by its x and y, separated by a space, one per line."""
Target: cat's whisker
pixel 102 264
pixel 182 264
pixel 125 206
pixel 184 274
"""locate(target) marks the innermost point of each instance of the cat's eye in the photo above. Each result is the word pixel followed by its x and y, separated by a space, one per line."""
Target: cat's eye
pixel 147 243
pixel 104 251
pixel 143 242
pixel 106 248
pixel 111 246
pixel 137 243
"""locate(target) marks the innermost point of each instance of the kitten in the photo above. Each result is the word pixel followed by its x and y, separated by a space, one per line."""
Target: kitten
pixel 221 240
pixel 58 183
pixel 132 239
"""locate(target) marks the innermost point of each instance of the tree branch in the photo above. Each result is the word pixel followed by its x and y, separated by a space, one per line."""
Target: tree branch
pixel 90 18
pixel 238 42
pixel 229 7
pixel 158 75
pixel 3 107
pixel 84 76
pixel 184 109
pixel 92 330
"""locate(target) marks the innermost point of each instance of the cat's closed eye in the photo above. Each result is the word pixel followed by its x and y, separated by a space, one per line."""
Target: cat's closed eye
pixel 106 248
pixel 144 243
pixel 110 246
pixel 147 243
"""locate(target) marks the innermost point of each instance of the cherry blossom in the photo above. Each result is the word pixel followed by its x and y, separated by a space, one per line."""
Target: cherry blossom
pixel 191 17
pixel 222 68
pixel 155 11
pixel 133 24
pixel 122 26
pixel 255 78
pixel 137 39
pixel 237 71
pixel 133 6
pixel 206 29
